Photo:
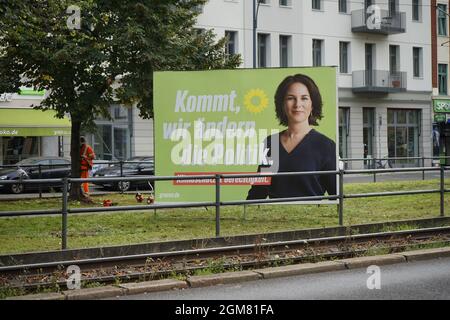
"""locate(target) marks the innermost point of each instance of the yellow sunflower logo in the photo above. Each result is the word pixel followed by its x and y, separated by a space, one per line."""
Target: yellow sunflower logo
pixel 256 101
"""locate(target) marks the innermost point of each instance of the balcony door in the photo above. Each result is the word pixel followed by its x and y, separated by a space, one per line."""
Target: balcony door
pixel 393 8
pixel 369 64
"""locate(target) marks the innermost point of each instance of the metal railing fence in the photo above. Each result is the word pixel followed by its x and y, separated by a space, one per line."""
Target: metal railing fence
pixel 340 196
pixel 41 169
pixel 381 163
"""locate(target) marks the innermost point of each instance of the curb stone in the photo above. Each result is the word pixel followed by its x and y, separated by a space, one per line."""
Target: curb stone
pixel 222 278
pixel 93 293
pixel 300 269
pixel 361 262
pixel 424 254
pixel 40 296
pixel 153 286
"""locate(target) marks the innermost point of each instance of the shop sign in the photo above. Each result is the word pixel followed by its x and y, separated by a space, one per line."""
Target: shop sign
pixel 441 105
pixel 440 118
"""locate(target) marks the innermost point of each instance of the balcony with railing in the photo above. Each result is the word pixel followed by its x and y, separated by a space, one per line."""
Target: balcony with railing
pixel 378 81
pixel 386 22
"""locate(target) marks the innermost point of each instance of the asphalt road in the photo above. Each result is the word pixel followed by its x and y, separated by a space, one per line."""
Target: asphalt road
pixel 351 178
pixel 406 281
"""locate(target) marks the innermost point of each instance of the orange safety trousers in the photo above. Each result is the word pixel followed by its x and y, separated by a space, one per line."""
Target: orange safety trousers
pixel 85 185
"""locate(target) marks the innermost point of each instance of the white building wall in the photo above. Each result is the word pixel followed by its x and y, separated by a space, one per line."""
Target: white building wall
pixel 142 141
pixel 305 24
pixel 49 146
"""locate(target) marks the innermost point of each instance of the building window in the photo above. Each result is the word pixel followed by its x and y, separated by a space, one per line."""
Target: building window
pixel 199 8
pixel 393 7
pixel 442 79
pixel 417 62
pixel 263 49
pixel 285 3
pixel 231 46
pixel 343 6
pixel 112 138
pixel 367 3
pixel 416 10
pixel 344 119
pixel 316 4
pixel 368 134
pixel 394 59
pixel 442 19
pixel 15 149
pixel 317 52
pixel 403 135
pixel 285 51
pixel 343 57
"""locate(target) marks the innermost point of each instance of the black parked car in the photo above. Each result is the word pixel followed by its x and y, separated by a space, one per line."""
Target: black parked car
pixel 51 168
pixel 136 166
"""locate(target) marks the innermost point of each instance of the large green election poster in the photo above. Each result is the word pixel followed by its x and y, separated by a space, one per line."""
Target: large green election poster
pixel 219 122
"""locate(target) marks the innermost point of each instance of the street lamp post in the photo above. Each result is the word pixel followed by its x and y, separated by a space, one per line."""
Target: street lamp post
pixel 256 4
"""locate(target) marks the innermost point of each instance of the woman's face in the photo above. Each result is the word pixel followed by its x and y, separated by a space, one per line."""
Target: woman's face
pixel 297 103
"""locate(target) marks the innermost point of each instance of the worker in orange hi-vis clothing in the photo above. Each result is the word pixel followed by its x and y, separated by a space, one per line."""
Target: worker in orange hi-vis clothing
pixel 87 160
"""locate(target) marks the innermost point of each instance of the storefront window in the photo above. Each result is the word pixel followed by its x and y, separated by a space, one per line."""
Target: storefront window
pixel 436 140
pixel 102 142
pixel 112 139
pixel 403 136
pixel 16 149
pixel 121 142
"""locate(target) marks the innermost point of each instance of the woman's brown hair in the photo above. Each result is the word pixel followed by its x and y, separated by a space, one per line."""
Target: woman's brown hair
pixel 314 93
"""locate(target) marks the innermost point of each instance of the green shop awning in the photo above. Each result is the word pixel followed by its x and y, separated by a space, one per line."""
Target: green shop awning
pixel 32 123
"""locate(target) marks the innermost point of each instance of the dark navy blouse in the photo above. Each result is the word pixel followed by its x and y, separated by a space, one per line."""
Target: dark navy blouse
pixel 315 152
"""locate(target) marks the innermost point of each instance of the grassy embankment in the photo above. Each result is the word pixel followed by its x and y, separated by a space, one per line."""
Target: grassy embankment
pixel 26 234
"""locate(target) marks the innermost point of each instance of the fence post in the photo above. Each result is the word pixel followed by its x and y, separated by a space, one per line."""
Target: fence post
pixel 217 205
pixel 374 173
pixel 423 166
pixel 341 197
pixel 442 190
pixel 64 214
pixel 121 168
pixel 40 184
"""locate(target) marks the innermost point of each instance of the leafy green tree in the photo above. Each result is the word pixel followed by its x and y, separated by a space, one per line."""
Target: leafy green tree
pixel 90 53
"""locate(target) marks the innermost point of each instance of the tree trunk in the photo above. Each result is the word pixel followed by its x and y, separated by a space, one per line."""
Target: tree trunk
pixel 75 190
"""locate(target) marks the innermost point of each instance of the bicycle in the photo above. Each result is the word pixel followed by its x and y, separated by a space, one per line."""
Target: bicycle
pixel 382 163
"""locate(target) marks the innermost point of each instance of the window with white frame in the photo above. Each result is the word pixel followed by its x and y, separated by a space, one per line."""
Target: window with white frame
pixel 416 10
pixel 231 46
pixel 285 51
pixel 442 19
pixel 285 3
pixel 394 59
pixel 317 4
pixel 343 6
pixel 417 62
pixel 442 79
pixel 344 56
pixel 317 52
pixel 263 50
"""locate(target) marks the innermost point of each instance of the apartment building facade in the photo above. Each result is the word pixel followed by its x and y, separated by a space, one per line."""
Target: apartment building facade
pixel 384 64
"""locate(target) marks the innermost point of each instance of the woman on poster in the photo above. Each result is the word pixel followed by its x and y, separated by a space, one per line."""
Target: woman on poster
pixel 298 105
